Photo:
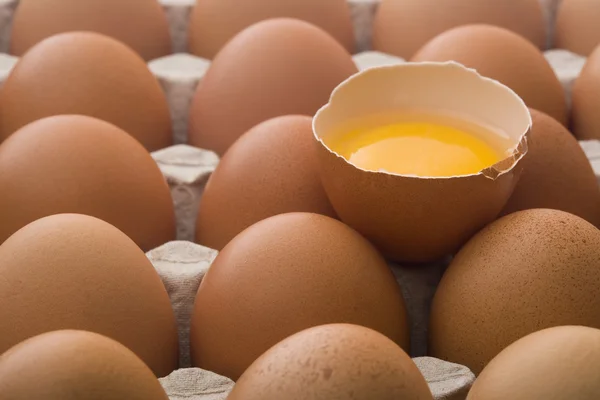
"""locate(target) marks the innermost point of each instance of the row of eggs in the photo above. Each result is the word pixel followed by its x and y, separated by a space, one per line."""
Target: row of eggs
pixel 91 74
pixel 285 279
pixel 400 27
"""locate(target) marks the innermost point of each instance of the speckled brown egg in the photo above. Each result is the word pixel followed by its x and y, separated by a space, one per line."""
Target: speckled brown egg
pixel 506 57
pixel 527 271
pixel 273 68
pixel 79 164
pixel 559 363
pixel 270 170
pixel 285 274
pixel 333 362
pixel 140 24
pixel 578 26
pixel 89 74
pixel 556 173
pixel 401 27
pixel 213 24
pixel 75 365
pixel 585 118
pixel 71 271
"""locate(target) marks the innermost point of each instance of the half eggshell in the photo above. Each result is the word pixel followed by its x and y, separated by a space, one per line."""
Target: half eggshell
pixel 411 218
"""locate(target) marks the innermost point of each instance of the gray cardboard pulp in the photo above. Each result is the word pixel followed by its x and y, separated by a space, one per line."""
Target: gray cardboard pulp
pixel 182 264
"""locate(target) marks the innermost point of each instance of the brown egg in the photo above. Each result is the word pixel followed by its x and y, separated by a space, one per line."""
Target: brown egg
pixel 560 363
pixel 506 57
pixel 140 24
pixel 71 271
pixel 585 118
pixel 333 362
pixel 89 74
pixel 78 164
pixel 270 170
pixel 401 27
pixel 556 173
pixel 212 23
pixel 273 68
pixel 414 218
pixel 75 365
pixel 578 26
pixel 527 271
pixel 285 274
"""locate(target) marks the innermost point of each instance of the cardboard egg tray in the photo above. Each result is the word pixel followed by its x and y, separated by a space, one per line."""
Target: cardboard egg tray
pixel 182 264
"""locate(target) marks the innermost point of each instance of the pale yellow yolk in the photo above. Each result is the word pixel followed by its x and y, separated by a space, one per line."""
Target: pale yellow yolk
pixel 416 148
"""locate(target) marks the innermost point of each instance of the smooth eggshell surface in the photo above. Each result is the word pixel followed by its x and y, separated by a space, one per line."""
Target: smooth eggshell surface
pixel 333 362
pixel 585 118
pixel 578 26
pixel 273 68
pixel 402 27
pixel 270 170
pixel 527 271
pixel 213 23
pixel 140 24
pixel 75 365
pixel 434 218
pixel 285 274
pixel 89 74
pixel 559 363
pixel 71 271
pixel 556 173
pixel 506 57
pixel 78 164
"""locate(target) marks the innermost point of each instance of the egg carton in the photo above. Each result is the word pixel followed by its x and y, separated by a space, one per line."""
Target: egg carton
pixel 182 265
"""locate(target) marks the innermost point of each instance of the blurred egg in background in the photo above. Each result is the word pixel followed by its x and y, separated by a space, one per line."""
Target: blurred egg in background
pixel 79 164
pixel 285 274
pixel 505 56
pixel 271 169
pixel 556 173
pixel 402 27
pixel 75 365
pixel 140 24
pixel 289 67
pixel 71 271
pixel 585 117
pixel 214 22
pixel 89 74
pixel 578 26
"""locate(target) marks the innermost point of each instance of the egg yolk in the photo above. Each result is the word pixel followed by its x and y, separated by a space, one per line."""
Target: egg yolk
pixel 416 148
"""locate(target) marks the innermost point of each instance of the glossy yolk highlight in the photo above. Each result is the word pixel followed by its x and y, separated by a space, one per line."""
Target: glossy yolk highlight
pixel 416 148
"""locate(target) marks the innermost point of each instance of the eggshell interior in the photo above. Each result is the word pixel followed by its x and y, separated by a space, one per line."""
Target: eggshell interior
pixel 409 218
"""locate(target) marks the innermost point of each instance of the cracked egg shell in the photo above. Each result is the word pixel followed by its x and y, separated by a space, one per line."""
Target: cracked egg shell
pixel 333 362
pixel 421 219
pixel 75 365
pixel 140 24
